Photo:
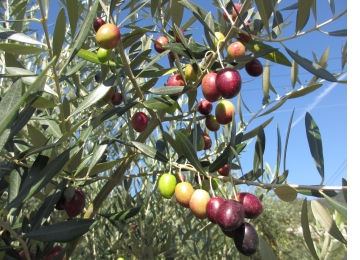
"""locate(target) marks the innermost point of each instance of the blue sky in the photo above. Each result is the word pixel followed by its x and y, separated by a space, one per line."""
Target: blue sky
pixel 327 105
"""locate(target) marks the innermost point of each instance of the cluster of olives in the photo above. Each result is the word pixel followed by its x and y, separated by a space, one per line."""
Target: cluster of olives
pixel 228 214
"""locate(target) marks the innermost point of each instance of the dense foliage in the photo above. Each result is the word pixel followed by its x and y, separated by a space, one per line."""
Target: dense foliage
pixel 63 131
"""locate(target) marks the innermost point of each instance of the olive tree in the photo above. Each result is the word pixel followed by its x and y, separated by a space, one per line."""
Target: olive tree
pixel 60 131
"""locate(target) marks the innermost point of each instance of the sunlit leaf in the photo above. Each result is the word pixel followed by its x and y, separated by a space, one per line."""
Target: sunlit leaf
pixel 286 193
pixel 312 67
pixel 316 193
pixel 338 206
pixel 303 14
pixel 189 151
pixel 168 90
pixel 325 220
pixel 265 9
pixel 95 95
pixel 17 36
pixel 86 25
pixel 16 48
pixel 59 33
pixel 150 151
pixel 92 57
pixel 162 102
pixel 275 56
pixel 10 105
pixel 266 250
pixel 73 13
pixel 306 230
pixel 304 91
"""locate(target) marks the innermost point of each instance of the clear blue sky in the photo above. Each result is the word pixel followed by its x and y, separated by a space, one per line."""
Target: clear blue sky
pixel 327 105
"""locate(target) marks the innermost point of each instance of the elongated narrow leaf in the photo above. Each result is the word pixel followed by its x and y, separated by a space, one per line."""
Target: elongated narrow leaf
pixel 153 61
pixel 83 31
pixel 4 137
pixel 95 95
pixel 277 24
pixel 344 183
pixel 303 14
pixel 16 48
pixel 168 90
pixel 62 232
pixel 287 138
pixel 278 155
pixel 276 56
pixel 188 150
pixel 130 38
pixel 184 41
pixel 223 158
pixel 73 13
pixel 266 83
pixel 134 11
pixel 316 193
pixel 315 144
pixel 259 149
pixel 265 9
pixel 251 176
pixel 151 152
pixel 304 91
pixel 47 207
pixel 194 8
pixel 306 230
pixel 39 102
pixel 59 33
pixel 273 108
pixel 312 67
pixel 17 36
pixel 246 58
pixel 99 168
pixel 286 193
pixel 15 181
pixel 266 250
pixel 343 56
pixel 338 33
pixel 96 156
pixel 325 220
pixel 294 72
pixel 162 102
pixel 118 111
pixel 254 131
pixel 92 57
pixel 209 28
pixel 338 206
pixel 42 178
pixel 11 104
pixel 123 215
pixel 11 99
pixel 177 12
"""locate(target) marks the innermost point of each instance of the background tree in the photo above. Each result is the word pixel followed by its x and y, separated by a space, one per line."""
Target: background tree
pixel 79 172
